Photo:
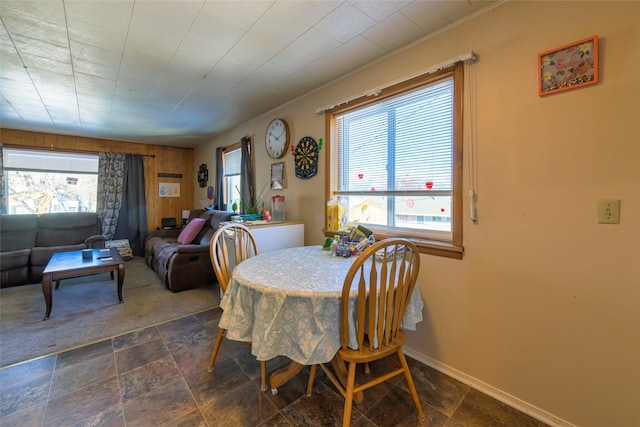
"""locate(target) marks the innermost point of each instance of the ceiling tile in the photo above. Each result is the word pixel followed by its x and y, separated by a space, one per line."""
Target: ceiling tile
pixel 345 23
pixel 431 15
pixel 36 49
pixel 108 38
pixel 142 67
pixel 113 14
pixel 244 59
pixel 179 72
pixel 94 83
pixel 20 95
pixel 314 44
pixel 36 30
pixel 95 54
pixel 396 30
pixel 379 10
pixel 48 11
pixel 12 68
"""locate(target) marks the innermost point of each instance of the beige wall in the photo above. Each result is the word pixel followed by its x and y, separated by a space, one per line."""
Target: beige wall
pixel 544 309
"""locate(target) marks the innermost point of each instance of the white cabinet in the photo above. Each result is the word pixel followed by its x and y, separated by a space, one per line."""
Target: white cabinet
pixel 270 237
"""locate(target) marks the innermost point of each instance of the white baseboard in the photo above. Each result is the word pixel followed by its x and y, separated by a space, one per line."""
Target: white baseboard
pixel 489 390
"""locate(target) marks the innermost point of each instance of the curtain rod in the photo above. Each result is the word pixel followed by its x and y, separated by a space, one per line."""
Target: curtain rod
pixel 469 58
pixel 68 150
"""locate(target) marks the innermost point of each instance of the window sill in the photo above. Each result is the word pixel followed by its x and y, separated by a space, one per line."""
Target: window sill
pixel 429 247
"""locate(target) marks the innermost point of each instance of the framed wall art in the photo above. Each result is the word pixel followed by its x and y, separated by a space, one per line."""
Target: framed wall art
pixel 568 67
pixel 277 176
pixel 169 189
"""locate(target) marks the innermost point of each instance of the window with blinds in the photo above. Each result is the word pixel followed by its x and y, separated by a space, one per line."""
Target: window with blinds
pixel 394 159
pixel 40 182
pixel 231 161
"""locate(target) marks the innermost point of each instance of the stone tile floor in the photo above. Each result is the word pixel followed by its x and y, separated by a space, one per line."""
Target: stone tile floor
pixel 158 377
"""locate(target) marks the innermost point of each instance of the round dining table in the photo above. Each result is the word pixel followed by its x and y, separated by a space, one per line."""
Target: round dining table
pixel 286 303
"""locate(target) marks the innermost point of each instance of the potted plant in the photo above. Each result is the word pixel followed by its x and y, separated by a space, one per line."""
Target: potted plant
pixel 252 210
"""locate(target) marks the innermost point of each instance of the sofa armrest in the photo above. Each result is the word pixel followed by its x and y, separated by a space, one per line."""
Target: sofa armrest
pixel 192 249
pixel 95 241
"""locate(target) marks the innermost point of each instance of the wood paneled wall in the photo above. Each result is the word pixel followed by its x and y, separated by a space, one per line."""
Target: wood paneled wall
pixel 158 159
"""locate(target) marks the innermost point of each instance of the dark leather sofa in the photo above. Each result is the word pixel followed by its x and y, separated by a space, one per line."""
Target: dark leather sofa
pixel 184 266
pixel 27 242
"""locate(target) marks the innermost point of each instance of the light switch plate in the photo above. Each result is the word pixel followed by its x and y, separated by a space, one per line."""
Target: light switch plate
pixel 609 211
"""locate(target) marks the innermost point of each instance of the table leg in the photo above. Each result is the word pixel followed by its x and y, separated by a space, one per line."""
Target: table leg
pixel 281 376
pixel 46 290
pixel 120 280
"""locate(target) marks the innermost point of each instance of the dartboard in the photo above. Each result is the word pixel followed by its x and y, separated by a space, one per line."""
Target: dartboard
pixel 306 158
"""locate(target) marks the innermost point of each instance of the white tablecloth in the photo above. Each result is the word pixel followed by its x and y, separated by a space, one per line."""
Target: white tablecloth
pixel 286 302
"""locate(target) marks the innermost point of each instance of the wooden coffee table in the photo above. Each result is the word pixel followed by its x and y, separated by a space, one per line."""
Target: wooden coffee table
pixel 63 265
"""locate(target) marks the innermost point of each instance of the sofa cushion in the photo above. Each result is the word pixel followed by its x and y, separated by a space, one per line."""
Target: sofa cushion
pixel 14 259
pixel 66 228
pixel 219 216
pixel 190 231
pixel 14 276
pixel 152 240
pixel 161 245
pixel 18 231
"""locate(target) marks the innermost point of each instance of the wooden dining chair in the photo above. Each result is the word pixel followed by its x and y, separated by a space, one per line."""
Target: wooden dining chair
pixel 379 284
pixel 230 245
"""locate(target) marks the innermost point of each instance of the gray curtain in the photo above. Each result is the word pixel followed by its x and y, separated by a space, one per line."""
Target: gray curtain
pixel 218 198
pixel 110 186
pixel 132 224
pixel 3 197
pixel 246 174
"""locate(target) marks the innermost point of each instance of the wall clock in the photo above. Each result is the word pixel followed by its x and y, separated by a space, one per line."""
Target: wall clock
pixel 277 138
pixel 306 158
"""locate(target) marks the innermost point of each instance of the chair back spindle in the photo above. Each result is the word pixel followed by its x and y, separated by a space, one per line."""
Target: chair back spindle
pixel 377 290
pixel 231 244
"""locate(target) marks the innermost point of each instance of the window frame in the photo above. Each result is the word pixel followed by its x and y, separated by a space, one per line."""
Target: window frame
pixel 7 168
pixel 231 148
pixel 450 249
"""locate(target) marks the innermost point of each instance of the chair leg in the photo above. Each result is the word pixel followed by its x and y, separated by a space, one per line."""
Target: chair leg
pixel 263 375
pixel 348 402
pixel 412 387
pixel 312 377
pixel 216 347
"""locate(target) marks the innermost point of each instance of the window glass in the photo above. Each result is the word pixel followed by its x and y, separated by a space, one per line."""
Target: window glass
pixel 395 158
pixel 44 182
pixel 231 163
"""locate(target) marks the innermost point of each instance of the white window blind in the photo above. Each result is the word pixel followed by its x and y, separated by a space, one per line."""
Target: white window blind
pixel 395 162
pixel 232 162
pixel 50 161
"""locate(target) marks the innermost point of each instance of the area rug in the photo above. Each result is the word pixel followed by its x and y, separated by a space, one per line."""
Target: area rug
pixel 86 309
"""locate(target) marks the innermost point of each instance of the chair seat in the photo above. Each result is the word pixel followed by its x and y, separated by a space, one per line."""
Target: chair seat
pixel 366 354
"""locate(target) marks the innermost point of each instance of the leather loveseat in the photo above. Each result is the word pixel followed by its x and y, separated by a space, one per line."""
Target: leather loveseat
pixel 27 242
pixel 184 265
